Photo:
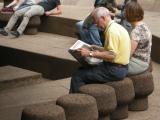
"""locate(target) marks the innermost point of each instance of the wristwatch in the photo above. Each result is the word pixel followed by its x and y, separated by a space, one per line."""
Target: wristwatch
pixel 90 54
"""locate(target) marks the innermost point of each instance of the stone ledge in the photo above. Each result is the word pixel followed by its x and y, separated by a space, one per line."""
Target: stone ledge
pixel 11 76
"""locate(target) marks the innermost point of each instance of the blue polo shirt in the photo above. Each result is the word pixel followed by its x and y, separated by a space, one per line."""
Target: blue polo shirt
pixel 49 4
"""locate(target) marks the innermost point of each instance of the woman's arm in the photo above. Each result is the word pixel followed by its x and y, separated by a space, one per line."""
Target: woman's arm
pixel 14 2
pixel 55 11
pixel 20 2
pixel 134 45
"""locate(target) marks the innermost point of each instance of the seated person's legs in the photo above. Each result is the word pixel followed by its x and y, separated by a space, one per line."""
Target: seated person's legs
pixel 14 18
pixel 94 35
pixel 34 10
pixel 102 73
pixel 79 27
pixel 12 21
pixel 89 35
pixel 137 66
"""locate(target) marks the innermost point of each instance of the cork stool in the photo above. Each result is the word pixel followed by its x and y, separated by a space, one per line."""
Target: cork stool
pixel 32 27
pixel 79 107
pixel 105 97
pixel 125 94
pixel 143 86
pixel 45 111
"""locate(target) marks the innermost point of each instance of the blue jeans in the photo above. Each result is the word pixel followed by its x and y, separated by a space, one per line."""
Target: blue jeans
pixel 102 73
pixel 90 35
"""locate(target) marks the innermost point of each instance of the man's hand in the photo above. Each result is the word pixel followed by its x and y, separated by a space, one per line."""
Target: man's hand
pixel 47 13
pixel 55 11
pixel 84 52
pixel 14 8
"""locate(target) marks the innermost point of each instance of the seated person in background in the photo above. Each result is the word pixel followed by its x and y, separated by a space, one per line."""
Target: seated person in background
pixel 141 39
pixel 23 8
pixel 109 4
pixel 27 9
pixel 88 31
pixel 9 8
pixel 122 17
pixel 51 7
pixel 115 53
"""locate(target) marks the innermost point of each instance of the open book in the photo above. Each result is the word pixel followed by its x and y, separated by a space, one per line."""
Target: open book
pixel 83 60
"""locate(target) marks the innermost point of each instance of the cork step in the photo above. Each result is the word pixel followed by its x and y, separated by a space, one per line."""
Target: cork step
pixel 11 76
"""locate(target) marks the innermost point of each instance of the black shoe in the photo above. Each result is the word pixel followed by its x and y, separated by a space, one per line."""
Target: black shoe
pixel 3 32
pixel 15 34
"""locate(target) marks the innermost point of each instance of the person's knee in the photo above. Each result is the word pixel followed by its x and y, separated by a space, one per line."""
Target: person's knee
pixel 27 15
pixel 78 76
pixel 79 25
pixel 16 14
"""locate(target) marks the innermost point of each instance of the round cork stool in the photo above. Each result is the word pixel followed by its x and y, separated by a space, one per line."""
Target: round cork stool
pixel 105 97
pixel 32 27
pixel 143 86
pixel 125 94
pixel 79 107
pixel 45 111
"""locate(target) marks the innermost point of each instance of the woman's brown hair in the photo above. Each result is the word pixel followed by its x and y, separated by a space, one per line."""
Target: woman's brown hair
pixel 134 12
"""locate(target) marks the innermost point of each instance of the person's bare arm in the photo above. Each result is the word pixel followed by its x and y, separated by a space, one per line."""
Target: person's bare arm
pixel 14 2
pixel 134 45
pixel 105 55
pixel 20 2
pixel 96 47
pixel 55 11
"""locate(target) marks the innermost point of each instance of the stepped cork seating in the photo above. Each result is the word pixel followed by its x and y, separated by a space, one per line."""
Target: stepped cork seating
pixel 143 86
pixel 79 107
pixel 45 111
pixel 125 94
pixel 150 68
pixel 11 77
pixel 42 53
pixel 105 97
pixel 67 20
